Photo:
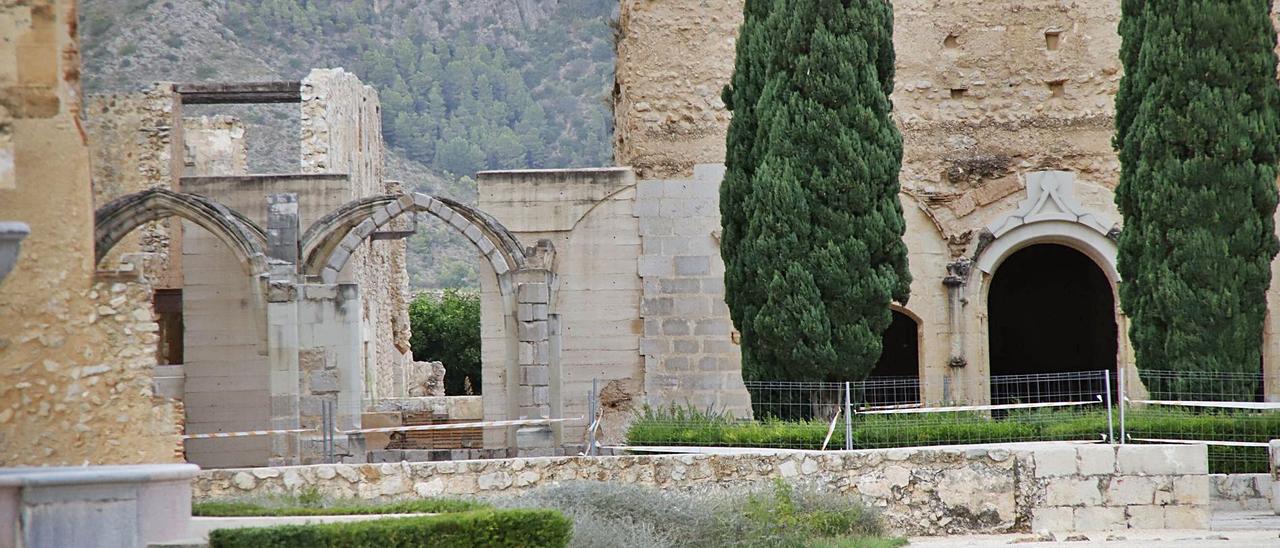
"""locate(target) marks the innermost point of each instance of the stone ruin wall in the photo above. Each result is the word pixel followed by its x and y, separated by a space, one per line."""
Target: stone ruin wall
pixel 339 139
pixel 131 137
pixel 982 95
pixel 919 491
pixel 76 350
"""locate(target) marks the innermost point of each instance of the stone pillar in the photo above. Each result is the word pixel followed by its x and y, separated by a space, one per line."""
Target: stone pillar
pixel 533 378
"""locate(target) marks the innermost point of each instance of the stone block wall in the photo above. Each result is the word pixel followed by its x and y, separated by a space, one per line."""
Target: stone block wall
pixel 689 343
pixel 1104 487
pixel 921 491
pixel 76 352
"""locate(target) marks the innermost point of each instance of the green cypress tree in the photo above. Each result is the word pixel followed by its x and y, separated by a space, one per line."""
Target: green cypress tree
pixel 1197 136
pixel 813 228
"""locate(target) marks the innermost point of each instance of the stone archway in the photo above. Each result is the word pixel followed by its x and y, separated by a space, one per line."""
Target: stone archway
pixel 895 379
pixel 117 218
pixel 530 368
pixel 1044 270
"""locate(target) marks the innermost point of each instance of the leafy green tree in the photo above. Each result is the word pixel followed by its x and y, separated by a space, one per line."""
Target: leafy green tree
pixel 447 329
pixel 812 224
pixel 1196 131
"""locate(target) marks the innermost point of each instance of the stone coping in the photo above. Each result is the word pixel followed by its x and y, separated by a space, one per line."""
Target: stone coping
pixel 80 475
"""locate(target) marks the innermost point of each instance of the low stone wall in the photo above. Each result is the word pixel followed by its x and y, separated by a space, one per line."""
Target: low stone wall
pixel 1237 492
pixel 923 491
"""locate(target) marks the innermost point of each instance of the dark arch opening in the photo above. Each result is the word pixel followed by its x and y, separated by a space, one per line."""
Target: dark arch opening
pixel 895 379
pixel 1050 310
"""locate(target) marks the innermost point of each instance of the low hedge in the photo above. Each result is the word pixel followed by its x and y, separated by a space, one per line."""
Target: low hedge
pixel 885 431
pixel 340 508
pixel 477 528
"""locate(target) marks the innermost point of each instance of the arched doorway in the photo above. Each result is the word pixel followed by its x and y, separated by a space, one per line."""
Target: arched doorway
pixel 1051 310
pixel 895 379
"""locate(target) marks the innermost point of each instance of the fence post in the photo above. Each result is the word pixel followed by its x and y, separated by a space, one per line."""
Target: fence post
pixel 848 418
pixel 1124 397
pixel 592 418
pixel 1111 427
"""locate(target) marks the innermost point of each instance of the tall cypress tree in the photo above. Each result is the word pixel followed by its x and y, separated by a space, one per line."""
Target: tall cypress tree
pixel 812 224
pixel 1196 118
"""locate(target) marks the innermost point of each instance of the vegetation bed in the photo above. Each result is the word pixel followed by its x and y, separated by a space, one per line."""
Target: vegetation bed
pixel 529 528
pixel 690 427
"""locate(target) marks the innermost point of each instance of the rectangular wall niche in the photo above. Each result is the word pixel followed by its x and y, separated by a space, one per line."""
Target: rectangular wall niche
pixel 958 93
pixel 1052 39
pixel 1058 89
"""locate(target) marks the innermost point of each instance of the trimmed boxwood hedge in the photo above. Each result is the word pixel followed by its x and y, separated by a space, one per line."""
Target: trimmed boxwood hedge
pixel 477 528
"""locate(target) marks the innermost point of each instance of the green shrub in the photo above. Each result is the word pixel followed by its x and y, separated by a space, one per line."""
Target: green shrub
pixel 447 329
pixel 685 426
pixel 272 507
pixel 478 528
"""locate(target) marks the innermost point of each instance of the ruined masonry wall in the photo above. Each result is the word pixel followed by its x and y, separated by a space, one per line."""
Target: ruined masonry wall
pixel 342 133
pixel 131 139
pixel 927 491
pixel 75 356
pixel 691 358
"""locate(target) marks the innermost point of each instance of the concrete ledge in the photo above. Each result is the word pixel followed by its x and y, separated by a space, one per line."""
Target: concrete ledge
pixel 96 506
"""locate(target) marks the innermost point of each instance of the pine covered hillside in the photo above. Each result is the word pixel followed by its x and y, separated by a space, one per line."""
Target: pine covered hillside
pixel 465 85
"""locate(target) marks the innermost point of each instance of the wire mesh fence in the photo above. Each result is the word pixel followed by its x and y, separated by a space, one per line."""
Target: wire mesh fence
pixel 890 412
pixel 1225 411
pixel 1222 410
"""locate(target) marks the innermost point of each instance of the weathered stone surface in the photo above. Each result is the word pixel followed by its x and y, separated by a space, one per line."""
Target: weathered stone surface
pixel 920 491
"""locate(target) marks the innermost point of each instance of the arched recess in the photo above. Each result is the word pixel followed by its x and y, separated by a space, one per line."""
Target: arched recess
pixel 1049 219
pixel 328 243
pixel 117 218
pixel 895 379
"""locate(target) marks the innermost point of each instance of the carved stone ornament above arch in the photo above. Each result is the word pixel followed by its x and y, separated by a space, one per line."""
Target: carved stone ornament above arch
pixel 1051 213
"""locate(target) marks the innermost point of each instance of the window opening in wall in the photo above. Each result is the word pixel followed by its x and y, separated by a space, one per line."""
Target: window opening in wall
pixel 1052 39
pixel 168 309
pixel 958 93
pixel 952 41
pixel 1058 88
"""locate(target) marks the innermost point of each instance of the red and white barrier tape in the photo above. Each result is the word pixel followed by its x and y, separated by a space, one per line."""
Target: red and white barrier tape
pixel 244 434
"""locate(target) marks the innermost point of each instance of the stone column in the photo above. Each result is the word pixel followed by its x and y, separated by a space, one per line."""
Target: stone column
pixel 533 363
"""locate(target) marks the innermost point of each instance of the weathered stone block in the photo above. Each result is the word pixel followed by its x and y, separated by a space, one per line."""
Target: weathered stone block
pixel 663 306
pixel 675 327
pixel 1096 460
pixel 1192 490
pixel 1186 517
pixel 680 285
pixel 693 266
pixel 686 346
pixel 1058 518
pixel 717 326
pixel 1099 518
pixel 1073 492
pixel 1162 460
pixel 1130 490
pixel 1055 461
pixel 655 265
pixel 1145 517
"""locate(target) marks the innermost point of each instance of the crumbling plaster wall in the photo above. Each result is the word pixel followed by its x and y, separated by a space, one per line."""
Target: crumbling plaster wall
pixel 76 352
pixel 131 139
pixel 342 133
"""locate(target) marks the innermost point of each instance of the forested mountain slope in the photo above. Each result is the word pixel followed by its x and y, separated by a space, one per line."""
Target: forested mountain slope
pixel 465 85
